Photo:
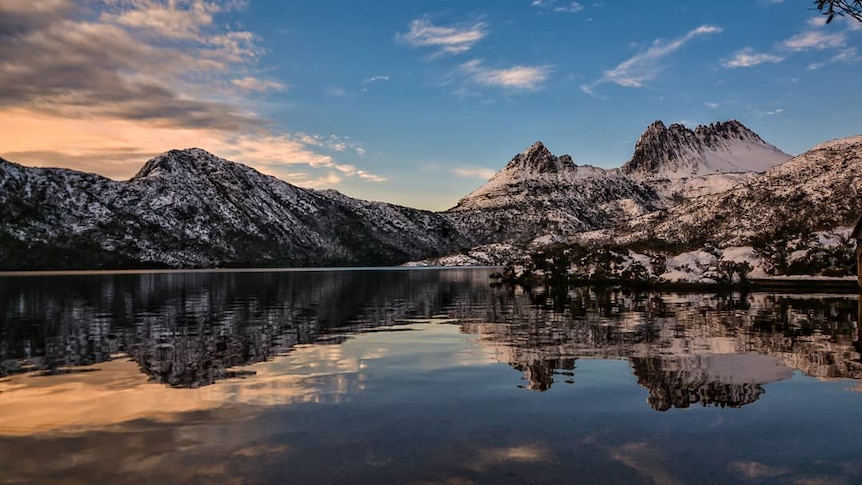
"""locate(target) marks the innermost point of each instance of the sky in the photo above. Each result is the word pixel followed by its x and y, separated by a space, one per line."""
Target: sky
pixel 411 102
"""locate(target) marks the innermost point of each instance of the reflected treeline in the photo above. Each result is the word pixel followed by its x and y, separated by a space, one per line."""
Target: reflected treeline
pixel 192 329
pixel 685 349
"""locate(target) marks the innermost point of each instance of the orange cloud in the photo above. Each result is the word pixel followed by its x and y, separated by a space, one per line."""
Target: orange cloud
pixel 173 77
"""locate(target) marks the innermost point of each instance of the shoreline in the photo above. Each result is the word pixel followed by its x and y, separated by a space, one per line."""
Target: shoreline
pixel 792 283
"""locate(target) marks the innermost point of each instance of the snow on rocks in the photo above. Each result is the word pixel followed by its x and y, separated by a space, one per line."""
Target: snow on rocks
pixel 813 257
pixel 487 255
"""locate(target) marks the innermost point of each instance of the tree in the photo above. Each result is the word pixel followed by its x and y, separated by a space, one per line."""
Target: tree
pixel 831 8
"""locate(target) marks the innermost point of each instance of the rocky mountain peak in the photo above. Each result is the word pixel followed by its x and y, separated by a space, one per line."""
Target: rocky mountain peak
pixel 725 130
pixel 677 151
pixel 656 126
pixel 189 161
pixel 538 159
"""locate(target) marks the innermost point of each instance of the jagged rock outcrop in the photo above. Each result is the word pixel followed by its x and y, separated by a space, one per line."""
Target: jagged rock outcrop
pixel 189 208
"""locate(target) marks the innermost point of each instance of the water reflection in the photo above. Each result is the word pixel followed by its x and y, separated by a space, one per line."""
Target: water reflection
pixel 685 349
pixel 189 330
pixel 419 377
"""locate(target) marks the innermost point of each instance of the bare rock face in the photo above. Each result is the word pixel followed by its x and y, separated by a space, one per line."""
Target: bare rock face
pixel 538 159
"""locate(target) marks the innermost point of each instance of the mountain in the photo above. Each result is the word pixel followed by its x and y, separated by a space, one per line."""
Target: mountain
pixel 538 194
pixel 676 152
pixel 818 190
pixel 541 197
pixel 189 208
pixel 679 163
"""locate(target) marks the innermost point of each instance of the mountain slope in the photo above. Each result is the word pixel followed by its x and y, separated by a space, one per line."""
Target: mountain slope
pixel 189 208
pixel 538 194
pixel 820 189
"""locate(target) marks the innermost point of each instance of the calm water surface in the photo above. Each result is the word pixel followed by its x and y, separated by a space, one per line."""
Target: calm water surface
pixel 420 376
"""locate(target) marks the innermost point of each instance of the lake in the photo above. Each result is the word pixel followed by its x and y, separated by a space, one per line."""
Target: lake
pixel 420 376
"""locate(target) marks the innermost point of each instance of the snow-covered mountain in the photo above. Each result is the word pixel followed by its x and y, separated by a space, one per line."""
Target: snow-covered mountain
pixel 679 163
pixel 676 152
pixel 544 198
pixel 540 195
pixel 189 208
pixel 818 190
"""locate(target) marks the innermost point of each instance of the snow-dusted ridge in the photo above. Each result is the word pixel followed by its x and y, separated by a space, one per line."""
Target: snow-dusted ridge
pixel 540 196
pixel 817 190
pixel 189 208
pixel 781 216
pixel 794 220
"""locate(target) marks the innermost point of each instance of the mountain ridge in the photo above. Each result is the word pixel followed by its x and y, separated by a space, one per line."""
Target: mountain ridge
pixel 817 190
pixel 540 197
pixel 190 208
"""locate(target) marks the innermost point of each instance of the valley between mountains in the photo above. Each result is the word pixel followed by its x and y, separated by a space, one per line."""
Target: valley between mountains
pixel 712 204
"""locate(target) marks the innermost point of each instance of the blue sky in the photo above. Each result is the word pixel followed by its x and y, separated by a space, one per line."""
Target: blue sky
pixel 413 102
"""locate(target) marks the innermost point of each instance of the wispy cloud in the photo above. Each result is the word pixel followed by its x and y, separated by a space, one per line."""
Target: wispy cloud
pixel 748 58
pixel 330 142
pixel 473 172
pixel 812 39
pixel 815 40
pixel 101 86
pixel 817 21
pixel 374 79
pixel 712 104
pixel 446 40
pixel 769 112
pixel 554 6
pixel 525 78
pixel 258 85
pixel 753 470
pixel 646 66
pixel 846 56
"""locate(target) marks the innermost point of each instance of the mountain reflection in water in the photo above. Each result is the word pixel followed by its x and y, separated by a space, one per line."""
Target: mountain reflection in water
pixel 188 330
